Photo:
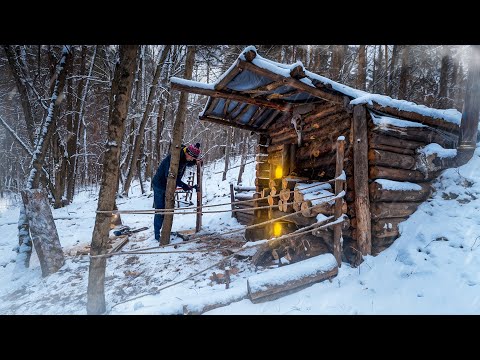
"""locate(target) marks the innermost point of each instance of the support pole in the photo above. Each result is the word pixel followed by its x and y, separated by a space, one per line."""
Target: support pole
pixel 339 185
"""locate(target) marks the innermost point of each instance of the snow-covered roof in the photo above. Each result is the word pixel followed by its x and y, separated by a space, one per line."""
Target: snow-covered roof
pixel 254 92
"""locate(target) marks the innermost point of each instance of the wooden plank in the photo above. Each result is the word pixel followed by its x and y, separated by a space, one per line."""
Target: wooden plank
pixel 120 244
pixel 232 199
pixel 284 280
pixel 360 169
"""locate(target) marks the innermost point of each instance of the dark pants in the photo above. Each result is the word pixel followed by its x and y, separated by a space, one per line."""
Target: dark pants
pixel 159 202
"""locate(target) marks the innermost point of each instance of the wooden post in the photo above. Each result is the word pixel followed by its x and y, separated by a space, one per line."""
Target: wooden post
pixel 232 199
pixel 286 159
pixel 339 185
pixel 471 109
pixel 199 196
pixel 360 177
pixel 293 158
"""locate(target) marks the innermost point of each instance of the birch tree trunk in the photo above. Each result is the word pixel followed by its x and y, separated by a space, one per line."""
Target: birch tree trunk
pixel 121 91
pixel 48 248
pixel 177 136
pixel 22 90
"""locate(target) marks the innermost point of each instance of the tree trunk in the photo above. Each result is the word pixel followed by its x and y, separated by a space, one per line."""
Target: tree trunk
pixel 471 110
pixel 74 128
pixel 362 68
pixel 404 73
pixel 38 161
pixel 121 91
pixel 146 114
pixel 177 136
pixel 445 71
pixel 228 145
pixel 391 72
pixel 244 151
pixel 22 90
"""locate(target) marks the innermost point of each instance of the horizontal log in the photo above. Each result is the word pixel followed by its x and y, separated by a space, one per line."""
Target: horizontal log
pixel 416 117
pixel 244 188
pixel 425 135
pixel 428 164
pixel 394 149
pixel 382 228
pixel 288 183
pixel 378 193
pixel 262 182
pixel 326 160
pixel 244 196
pixel 380 210
pixel 380 244
pixel 391 159
pixel 263 174
pixel 377 139
pixel 324 112
pixel 200 304
pixel 340 120
pixel 380 172
pixel 284 280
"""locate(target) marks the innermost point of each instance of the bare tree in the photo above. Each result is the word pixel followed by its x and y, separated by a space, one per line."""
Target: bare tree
pixel 121 91
pixel 178 129
pixel 146 114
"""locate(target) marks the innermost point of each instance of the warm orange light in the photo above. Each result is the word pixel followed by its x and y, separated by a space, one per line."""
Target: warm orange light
pixel 278 172
pixel 277 229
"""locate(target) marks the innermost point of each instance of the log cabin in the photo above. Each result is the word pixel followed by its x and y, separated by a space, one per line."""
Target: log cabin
pixel 393 149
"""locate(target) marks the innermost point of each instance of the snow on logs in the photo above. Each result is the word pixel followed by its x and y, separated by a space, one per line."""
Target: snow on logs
pixel 284 280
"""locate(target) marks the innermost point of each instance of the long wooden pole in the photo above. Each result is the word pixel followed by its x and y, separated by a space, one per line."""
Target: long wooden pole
pixel 198 226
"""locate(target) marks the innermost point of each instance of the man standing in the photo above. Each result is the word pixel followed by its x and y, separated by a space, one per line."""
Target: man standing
pixel 188 157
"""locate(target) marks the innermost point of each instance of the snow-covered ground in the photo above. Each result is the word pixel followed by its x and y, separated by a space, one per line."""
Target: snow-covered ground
pixel 433 268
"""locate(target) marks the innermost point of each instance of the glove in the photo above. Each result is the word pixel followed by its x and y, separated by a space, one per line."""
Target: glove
pixel 187 187
pixel 195 187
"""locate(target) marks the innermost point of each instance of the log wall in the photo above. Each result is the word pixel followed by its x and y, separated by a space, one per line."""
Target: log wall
pixel 392 155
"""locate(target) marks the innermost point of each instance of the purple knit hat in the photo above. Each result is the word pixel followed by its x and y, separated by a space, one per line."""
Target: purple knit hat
pixel 194 151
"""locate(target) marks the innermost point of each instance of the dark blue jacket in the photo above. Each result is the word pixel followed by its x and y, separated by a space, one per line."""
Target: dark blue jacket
pixel 160 178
